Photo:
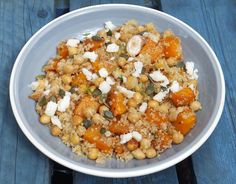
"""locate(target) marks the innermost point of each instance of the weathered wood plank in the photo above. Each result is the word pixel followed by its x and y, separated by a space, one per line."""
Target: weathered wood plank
pixel 215 161
pixel 167 176
pixel 20 161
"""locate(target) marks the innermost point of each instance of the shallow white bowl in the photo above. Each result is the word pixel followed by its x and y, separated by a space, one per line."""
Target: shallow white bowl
pixel 42 46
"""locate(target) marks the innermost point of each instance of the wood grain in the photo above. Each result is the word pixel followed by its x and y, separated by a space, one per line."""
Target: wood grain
pixel 215 161
pixel 20 161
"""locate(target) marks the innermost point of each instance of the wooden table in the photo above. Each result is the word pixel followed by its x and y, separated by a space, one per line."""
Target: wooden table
pixel 214 162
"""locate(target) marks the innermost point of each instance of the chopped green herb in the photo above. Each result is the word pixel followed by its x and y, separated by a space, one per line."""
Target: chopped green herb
pixel 53 98
pixel 180 64
pixel 61 93
pixel 72 89
pixel 96 92
pixel 103 130
pixel 150 89
pixel 163 88
pixel 103 99
pixel 42 101
pixel 123 48
pixel 96 38
pixel 143 70
pixel 109 33
pixel 86 34
pixel 124 56
pixel 87 123
pixel 108 115
pixel 39 77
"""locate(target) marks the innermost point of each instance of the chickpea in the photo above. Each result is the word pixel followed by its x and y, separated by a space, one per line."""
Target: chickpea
pixel 132 145
pixel 173 113
pixel 138 97
pixel 138 88
pixel 80 130
pixel 143 78
pixel 133 115
pixel 151 153
pixel 177 137
pixel 68 69
pixel 138 154
pixel 103 108
pixel 132 103
pixel 145 143
pixel 67 87
pixel 78 59
pixel 65 137
pixel 74 139
pixel 131 82
pixel 121 61
pixel 83 88
pixel 89 112
pixel 97 118
pixel 44 119
pixel 66 79
pixel 164 108
pixel 153 104
pixel 55 131
pixel 195 106
pixel 76 120
pixel 72 51
pixel 93 153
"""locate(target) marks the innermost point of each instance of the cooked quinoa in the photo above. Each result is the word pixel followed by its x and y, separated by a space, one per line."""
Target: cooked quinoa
pixel 124 92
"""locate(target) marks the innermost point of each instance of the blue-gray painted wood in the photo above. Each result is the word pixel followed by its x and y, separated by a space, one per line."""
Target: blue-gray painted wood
pixel 215 161
pixel 166 177
pixel 20 161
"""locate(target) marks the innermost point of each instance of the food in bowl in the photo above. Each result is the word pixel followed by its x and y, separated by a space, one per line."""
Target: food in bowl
pixel 124 91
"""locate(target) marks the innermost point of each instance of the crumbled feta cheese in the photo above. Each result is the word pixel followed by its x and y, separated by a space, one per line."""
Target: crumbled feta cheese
pixel 117 35
pixel 158 77
pixel 107 133
pixel 191 71
pixel 94 76
pixel 46 92
pixel 137 136
pixel 125 138
pixel 138 66
pixel 143 107
pixel 125 91
pixel 160 96
pixel 112 48
pixel 110 80
pixel 55 120
pixel 109 25
pixel 130 59
pixel 64 103
pixel 51 108
pixel 34 85
pixel 152 36
pixel 103 72
pixel 191 86
pixel 88 74
pixel 90 55
pixel 72 42
pixel 104 87
pixel 175 86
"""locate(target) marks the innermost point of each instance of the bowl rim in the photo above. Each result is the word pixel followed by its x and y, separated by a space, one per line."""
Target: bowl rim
pixel 109 172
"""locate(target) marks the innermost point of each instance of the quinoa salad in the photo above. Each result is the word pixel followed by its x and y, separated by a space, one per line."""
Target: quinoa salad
pixel 125 92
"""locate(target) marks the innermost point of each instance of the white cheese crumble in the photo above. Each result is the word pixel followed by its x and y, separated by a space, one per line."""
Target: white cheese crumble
pixel 51 108
pixel 112 48
pixel 64 103
pixel 192 73
pixel 94 76
pixel 138 66
pixel 191 86
pixel 46 92
pixel 90 55
pixel 104 87
pixel 88 74
pixel 110 80
pixel 55 121
pixel 109 25
pixel 158 77
pixel 125 138
pixel 107 133
pixel 103 72
pixel 130 59
pixel 34 85
pixel 72 42
pixel 137 136
pixel 175 87
pixel 117 35
pixel 126 92
pixel 160 96
pixel 143 107
pixel 152 36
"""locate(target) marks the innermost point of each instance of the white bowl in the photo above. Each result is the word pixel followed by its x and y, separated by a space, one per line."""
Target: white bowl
pixel 42 46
